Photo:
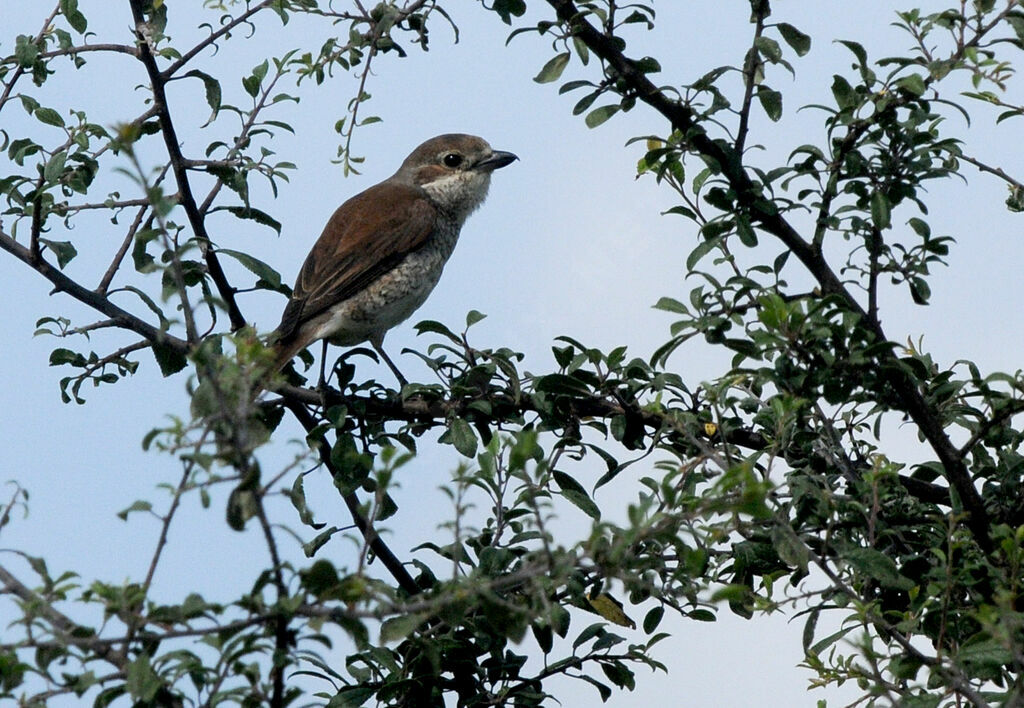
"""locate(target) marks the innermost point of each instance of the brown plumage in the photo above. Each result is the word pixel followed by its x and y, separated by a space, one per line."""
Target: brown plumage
pixel 382 251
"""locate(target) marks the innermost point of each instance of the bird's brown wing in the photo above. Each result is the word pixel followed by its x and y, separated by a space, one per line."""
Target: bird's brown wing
pixel 367 236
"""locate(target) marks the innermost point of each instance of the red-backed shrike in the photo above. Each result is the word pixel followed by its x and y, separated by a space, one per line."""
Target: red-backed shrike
pixel 383 250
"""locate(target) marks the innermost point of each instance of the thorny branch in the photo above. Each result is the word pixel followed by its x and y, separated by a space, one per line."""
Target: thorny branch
pixel 773 222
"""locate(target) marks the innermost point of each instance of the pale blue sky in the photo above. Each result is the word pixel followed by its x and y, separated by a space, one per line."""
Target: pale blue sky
pixel 568 243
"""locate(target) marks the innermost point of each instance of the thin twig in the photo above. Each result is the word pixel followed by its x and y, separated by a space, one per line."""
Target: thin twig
pixel 97 301
pixel 173 146
pixel 19 70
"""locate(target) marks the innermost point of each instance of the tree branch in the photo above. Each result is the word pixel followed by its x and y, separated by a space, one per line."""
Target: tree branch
pixel 769 219
pixel 377 544
pixel 97 301
pixel 187 201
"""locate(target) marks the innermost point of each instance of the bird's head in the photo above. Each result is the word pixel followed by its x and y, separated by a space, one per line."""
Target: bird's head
pixel 455 171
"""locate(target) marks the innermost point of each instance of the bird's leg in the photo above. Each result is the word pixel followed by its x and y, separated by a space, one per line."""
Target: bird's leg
pixel 376 342
pixel 322 384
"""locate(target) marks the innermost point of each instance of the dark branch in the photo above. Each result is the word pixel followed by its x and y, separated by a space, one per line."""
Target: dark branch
pixel 97 301
pixel 178 167
pixel 770 220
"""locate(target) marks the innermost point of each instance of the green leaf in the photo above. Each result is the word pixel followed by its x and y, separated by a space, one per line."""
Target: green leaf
pixel 858 51
pixel 242 506
pixel 136 506
pixel 1015 202
pixel 671 305
pixel 653 619
pixel 213 90
pixel 800 42
pixel 829 641
pixel 437 328
pixel 396 629
pixel 748 237
pixel 553 68
pixel 140 679
pixel 69 8
pixel 55 166
pixel 878 566
pixel 252 83
pixel 583 502
pixel 702 249
pixel 507 9
pixel 462 437
pixel 255 266
pixel 880 211
pixel 64 250
pixel 771 102
pixel 768 48
pixel 311 547
pixel 599 115
pixel 913 84
pixel 49 117
pixel 297 495
pixel 843 92
pixel 472 317
pixel 788 545
pixel 920 291
pixel 987 654
pixel 61 356
pixel 588 634
pixel 562 384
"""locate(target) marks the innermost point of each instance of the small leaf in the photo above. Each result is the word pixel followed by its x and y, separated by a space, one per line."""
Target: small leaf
pixel 800 42
pixel 462 437
pixel 64 250
pixel 553 68
pixel 140 679
pixel 880 213
pixel 702 249
pixel 472 317
pixel 437 328
pixel 653 619
pixel 255 266
pixel 50 117
pixel 771 102
pixel 610 608
pixel 395 629
pixel 790 548
pixel 844 94
pixel 671 305
pixel 242 506
pixel 55 166
pixel 878 566
pixel 583 502
pixel 136 506
pixel 599 115
pixel 987 653
pixel 588 634
pixel 913 84
pixel 169 359
pixel 311 547
pixel 213 90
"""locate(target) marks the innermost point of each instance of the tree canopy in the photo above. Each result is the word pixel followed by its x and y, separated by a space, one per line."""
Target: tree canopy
pixel 774 484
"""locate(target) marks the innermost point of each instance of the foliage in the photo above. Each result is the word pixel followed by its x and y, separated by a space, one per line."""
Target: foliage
pixel 764 488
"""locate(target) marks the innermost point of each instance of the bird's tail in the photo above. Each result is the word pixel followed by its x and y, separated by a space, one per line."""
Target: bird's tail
pixel 284 351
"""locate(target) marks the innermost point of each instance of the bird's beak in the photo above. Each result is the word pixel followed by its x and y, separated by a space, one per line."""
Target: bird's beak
pixel 496 160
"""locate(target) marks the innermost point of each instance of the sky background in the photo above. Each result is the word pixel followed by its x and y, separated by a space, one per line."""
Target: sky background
pixel 569 243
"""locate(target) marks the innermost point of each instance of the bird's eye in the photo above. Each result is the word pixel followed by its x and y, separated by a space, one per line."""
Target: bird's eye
pixel 452 159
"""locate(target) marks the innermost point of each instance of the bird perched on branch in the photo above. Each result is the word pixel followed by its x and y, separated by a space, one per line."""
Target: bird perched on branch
pixel 383 250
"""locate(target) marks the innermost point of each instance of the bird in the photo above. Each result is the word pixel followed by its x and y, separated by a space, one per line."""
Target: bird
pixel 382 252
